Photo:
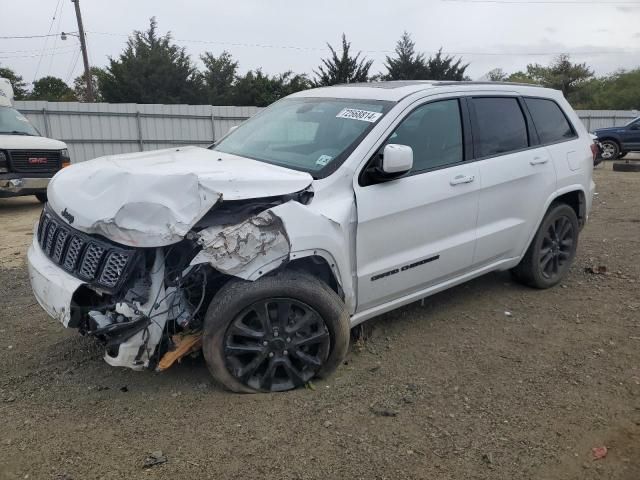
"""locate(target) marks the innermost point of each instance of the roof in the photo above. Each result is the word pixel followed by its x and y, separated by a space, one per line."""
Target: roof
pixel 399 89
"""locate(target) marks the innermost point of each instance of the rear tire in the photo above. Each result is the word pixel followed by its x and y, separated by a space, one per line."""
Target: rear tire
pixel 276 333
pixel 552 250
pixel 42 197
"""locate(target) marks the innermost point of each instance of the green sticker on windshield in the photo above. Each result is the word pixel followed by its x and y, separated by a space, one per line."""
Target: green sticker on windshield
pixel 324 160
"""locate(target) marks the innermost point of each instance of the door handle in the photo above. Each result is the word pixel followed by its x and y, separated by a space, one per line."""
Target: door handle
pixel 460 179
pixel 539 160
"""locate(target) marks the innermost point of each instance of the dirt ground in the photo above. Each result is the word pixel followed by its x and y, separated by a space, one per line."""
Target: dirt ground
pixel 489 380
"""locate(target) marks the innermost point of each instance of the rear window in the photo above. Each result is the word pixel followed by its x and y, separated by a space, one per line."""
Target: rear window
pixel 500 126
pixel 551 124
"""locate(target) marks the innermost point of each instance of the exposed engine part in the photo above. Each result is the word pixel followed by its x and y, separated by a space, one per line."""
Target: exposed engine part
pixel 180 310
pixel 99 320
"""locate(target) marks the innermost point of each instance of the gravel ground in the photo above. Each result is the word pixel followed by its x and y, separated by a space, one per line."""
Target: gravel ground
pixel 489 380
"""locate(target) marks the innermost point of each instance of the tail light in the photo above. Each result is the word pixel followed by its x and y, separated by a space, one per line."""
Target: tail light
pixel 594 151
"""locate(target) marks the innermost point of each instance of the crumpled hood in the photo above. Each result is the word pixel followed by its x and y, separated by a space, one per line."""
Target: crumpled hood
pixel 152 199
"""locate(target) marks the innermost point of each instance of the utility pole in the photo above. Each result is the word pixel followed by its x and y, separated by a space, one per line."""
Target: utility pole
pixel 85 56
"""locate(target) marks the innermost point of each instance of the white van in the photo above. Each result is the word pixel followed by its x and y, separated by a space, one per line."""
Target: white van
pixel 27 159
pixel 328 208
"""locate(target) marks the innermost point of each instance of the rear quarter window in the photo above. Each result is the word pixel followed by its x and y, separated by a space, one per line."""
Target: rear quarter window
pixel 549 120
pixel 499 127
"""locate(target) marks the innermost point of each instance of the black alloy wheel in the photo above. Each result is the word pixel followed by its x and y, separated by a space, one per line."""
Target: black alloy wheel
pixel 276 344
pixel 557 247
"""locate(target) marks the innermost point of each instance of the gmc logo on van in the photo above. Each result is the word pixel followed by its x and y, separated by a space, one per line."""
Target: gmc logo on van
pixel 37 160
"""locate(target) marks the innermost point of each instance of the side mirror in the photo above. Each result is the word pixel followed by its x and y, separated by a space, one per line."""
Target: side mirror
pixel 396 160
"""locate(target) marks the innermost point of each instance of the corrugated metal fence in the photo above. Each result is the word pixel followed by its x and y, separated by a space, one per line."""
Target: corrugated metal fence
pixel 594 119
pixel 95 129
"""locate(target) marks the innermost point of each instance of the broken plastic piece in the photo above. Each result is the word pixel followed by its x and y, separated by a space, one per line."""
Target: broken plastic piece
pixel 246 247
pixel 599 452
pixel 185 344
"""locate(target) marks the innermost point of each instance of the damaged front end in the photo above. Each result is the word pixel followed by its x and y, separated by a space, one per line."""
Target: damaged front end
pixel 148 304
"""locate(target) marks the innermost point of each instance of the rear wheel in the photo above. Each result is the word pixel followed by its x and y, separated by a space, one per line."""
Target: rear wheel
pixel 552 250
pixel 610 149
pixel 275 334
pixel 42 197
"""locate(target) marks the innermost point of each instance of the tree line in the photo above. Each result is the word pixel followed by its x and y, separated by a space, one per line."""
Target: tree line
pixel 153 69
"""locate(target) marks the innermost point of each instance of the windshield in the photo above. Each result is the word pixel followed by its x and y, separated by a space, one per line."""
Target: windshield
pixel 314 135
pixel 12 122
pixel 633 121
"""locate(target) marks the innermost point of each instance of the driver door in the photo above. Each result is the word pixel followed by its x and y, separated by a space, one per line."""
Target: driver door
pixel 631 136
pixel 418 230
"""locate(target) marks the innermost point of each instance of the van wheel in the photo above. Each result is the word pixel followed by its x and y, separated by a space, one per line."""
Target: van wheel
pixel 42 197
pixel 552 250
pixel 274 334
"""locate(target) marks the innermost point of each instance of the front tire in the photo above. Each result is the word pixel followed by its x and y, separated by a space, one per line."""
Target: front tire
pixel 552 250
pixel 610 149
pixel 274 334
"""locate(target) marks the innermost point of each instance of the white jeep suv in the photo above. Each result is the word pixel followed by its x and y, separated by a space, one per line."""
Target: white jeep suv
pixel 326 209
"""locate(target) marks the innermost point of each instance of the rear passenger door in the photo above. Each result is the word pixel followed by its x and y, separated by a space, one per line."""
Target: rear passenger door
pixel 517 177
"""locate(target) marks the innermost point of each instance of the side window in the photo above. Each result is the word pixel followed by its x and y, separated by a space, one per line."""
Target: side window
pixel 434 132
pixel 499 126
pixel 551 124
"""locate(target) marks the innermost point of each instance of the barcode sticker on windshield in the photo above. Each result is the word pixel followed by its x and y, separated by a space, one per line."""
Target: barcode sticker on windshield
pixel 362 115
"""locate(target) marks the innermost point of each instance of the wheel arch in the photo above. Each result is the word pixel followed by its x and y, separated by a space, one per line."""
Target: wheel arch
pixel 572 195
pixel 321 265
pixel 612 138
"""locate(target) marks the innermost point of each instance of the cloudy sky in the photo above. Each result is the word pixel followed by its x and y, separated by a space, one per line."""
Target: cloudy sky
pixel 280 35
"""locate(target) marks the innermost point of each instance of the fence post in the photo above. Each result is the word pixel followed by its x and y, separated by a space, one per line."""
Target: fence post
pixel 139 124
pixel 589 123
pixel 213 127
pixel 45 119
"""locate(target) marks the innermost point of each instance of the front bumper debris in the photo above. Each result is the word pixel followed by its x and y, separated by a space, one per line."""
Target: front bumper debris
pixel 22 186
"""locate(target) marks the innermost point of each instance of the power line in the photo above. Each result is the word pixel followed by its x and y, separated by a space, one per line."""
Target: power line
pixel 12 37
pixel 35 50
pixel 60 52
pixel 298 47
pixel 73 67
pixel 46 40
pixel 549 2
pixel 55 39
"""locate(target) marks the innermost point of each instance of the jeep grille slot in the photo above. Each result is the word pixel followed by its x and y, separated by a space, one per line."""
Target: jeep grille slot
pixel 87 257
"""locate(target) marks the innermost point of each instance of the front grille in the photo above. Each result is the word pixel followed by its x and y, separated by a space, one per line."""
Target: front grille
pixel 34 161
pixel 87 257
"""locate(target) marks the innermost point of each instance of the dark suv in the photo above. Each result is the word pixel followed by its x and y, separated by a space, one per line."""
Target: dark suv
pixel 618 141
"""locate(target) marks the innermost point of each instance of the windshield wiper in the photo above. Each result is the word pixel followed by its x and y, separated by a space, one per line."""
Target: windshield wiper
pixel 16 132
